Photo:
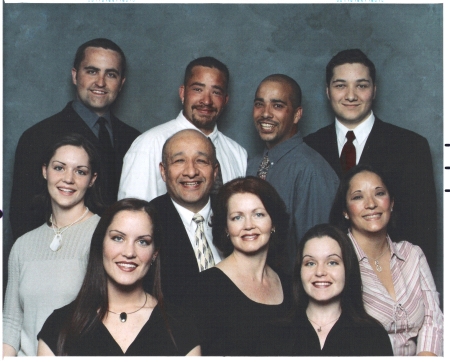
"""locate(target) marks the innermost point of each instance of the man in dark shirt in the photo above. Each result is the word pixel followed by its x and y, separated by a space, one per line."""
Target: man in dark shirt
pixel 401 155
pixel 98 74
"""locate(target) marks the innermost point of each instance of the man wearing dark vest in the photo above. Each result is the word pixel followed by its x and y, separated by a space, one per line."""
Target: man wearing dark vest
pixel 357 136
pixel 98 74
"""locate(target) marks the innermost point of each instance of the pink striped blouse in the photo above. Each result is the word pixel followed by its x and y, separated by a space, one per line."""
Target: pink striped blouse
pixel 414 322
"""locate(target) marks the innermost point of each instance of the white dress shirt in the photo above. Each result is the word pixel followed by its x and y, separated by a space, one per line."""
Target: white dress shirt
pixel 361 132
pixel 191 226
pixel 141 177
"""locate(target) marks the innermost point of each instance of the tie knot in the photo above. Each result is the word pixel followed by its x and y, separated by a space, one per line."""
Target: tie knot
pixel 350 136
pixel 101 121
pixel 198 218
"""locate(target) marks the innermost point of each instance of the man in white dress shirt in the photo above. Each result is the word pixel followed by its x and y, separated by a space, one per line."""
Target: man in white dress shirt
pixel 204 95
pixel 189 168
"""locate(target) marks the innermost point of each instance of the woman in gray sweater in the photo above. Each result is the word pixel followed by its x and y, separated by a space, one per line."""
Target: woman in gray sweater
pixel 47 265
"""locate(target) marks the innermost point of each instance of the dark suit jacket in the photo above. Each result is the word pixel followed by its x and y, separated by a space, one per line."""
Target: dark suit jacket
pixel 27 178
pixel 178 262
pixel 404 158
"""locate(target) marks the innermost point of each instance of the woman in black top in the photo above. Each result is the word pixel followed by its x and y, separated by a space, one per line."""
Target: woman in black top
pixel 112 314
pixel 328 316
pixel 234 300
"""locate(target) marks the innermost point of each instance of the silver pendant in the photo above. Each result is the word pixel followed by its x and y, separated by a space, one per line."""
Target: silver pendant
pixel 56 243
pixel 378 266
pixel 123 317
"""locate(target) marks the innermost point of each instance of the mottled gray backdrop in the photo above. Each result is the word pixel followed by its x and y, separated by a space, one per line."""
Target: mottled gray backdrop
pixel 405 42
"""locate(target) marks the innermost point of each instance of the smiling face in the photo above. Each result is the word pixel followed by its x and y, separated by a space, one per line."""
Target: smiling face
pixel 351 92
pixel 274 116
pixel 68 176
pixel 98 79
pixel 204 97
pixel 189 170
pixel 322 270
pixel 248 223
pixel 128 248
pixel 368 204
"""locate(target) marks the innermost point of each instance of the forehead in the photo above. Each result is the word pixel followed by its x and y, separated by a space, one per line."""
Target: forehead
pixel 69 151
pixel 109 57
pixel 271 90
pixel 244 200
pixel 207 75
pixel 351 71
pixel 188 143
pixel 129 217
pixel 322 246
pixel 365 179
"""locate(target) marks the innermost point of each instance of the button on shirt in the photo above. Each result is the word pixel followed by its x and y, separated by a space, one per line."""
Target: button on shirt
pixel 361 132
pixel 190 226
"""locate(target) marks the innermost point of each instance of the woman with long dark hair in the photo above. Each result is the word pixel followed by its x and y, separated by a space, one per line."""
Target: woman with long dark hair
pixel 328 316
pixel 398 287
pixel 113 315
pixel 47 265
pixel 234 300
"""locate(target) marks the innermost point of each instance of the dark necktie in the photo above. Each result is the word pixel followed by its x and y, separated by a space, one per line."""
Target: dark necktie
pixel 263 167
pixel 348 155
pixel 108 166
pixel 219 180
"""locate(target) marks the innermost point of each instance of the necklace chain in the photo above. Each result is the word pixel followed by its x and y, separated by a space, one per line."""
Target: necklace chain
pixel 123 315
pixel 377 264
pixel 55 245
pixel 320 326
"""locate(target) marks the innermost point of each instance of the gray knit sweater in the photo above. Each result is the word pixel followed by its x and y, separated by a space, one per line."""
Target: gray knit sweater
pixel 41 280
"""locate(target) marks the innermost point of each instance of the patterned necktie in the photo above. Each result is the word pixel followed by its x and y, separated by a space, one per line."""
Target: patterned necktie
pixel 219 180
pixel 263 167
pixel 203 253
pixel 348 155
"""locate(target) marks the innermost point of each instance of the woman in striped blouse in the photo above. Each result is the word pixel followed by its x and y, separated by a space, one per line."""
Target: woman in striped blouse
pixel 398 287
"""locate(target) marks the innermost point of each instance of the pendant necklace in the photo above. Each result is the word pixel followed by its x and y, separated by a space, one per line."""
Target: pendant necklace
pixel 320 327
pixel 55 245
pixel 123 316
pixel 377 264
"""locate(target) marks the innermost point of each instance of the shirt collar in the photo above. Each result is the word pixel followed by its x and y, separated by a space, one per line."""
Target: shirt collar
pixel 88 116
pixel 361 255
pixel 284 147
pixel 187 215
pixel 361 131
pixel 186 124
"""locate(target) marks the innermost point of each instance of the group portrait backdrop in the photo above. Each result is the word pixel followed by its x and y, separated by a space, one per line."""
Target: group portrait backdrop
pixel 405 42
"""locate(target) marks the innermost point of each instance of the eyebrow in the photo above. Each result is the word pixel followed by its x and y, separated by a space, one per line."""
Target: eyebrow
pixel 63 163
pixel 304 256
pixel 344 80
pixel 273 100
pixel 90 67
pixel 204 85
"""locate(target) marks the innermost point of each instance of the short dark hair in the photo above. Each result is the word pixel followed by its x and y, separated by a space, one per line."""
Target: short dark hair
pixel 295 95
pixel 349 56
pixel 272 202
pixel 351 297
pixel 209 62
pixel 92 198
pixel 100 43
pixel 340 201
pixel 91 303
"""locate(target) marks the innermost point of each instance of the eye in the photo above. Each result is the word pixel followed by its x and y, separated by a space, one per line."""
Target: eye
pixel 57 168
pixel 112 75
pixel 144 242
pixel 357 197
pixel 363 86
pixel 90 71
pixel 258 104
pixel 236 218
pixel 278 106
pixel 333 262
pixel 81 172
pixel 217 92
pixel 202 161
pixel 381 193
pixel 339 86
pixel 117 238
pixel 309 263
pixel 259 214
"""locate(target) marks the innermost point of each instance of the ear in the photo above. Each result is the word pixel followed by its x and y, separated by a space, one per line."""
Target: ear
pixel 93 178
pixel 216 170
pixel 44 171
pixel 374 91
pixel 328 92
pixel 181 93
pixel 298 114
pixel 155 255
pixel 162 170
pixel 392 205
pixel 74 76
pixel 121 83
pixel 226 99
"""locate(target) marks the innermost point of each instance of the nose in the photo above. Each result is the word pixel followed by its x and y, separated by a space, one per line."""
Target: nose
pixel 206 99
pixel 248 223
pixel 267 111
pixel 190 169
pixel 371 203
pixel 128 250
pixel 68 177
pixel 351 95
pixel 321 270
pixel 100 81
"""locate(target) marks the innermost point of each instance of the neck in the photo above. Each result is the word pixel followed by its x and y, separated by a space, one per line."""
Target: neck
pixel 372 244
pixel 323 313
pixel 62 217
pixel 122 299
pixel 250 266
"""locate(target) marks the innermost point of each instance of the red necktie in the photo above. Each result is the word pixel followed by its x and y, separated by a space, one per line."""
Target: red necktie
pixel 348 155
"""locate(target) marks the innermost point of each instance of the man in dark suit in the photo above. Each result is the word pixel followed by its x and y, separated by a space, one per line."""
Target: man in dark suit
pixel 98 74
pixel 401 155
pixel 189 168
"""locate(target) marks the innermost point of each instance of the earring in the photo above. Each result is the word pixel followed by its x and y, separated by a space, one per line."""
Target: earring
pixel 346 216
pixel 228 235
pixel 392 209
pixel 272 231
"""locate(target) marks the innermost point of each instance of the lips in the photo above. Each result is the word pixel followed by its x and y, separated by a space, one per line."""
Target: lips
pixel 249 237
pixel 98 92
pixel 375 216
pixel 191 183
pixel 204 109
pixel 126 266
pixel 66 191
pixel 266 126
pixel 321 284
